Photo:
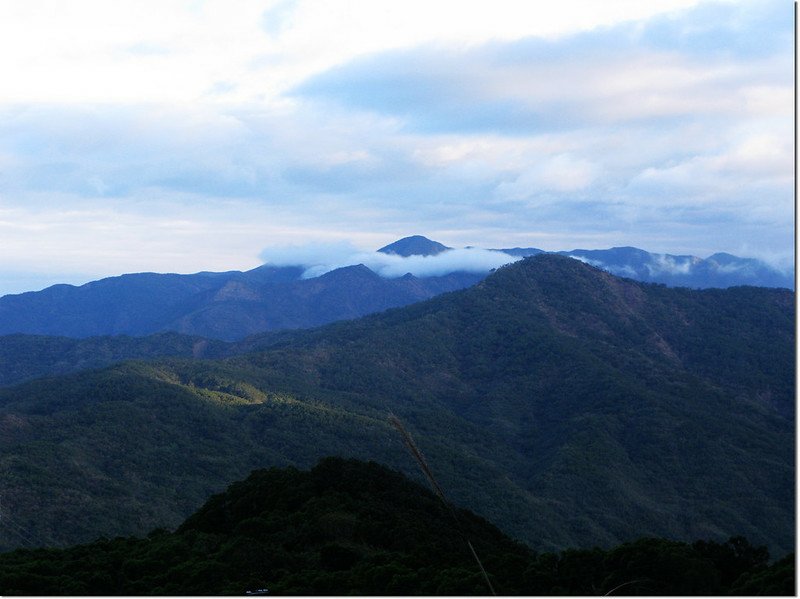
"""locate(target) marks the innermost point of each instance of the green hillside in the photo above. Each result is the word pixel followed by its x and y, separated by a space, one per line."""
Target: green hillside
pixel 349 527
pixel 568 406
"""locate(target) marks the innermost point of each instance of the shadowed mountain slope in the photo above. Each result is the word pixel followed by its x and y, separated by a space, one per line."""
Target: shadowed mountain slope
pixel 566 405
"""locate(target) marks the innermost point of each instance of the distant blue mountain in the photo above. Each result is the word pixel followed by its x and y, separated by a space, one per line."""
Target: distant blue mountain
pixel 227 306
pixel 522 252
pixel 416 245
pixel 717 271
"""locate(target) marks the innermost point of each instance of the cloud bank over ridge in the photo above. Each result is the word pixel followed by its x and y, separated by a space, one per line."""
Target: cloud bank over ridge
pixel 321 258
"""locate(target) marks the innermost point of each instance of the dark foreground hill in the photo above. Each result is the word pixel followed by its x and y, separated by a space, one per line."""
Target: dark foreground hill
pixel 568 406
pixel 349 527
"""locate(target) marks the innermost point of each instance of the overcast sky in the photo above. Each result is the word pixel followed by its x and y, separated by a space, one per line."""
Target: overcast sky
pixel 187 135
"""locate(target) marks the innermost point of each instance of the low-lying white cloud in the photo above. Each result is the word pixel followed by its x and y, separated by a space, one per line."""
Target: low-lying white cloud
pixel 658 265
pixel 588 261
pixel 320 258
pixel 664 263
pixel 624 270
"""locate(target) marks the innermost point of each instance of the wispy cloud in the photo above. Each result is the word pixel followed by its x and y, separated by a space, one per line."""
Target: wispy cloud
pixel 672 68
pixel 276 19
pixel 670 264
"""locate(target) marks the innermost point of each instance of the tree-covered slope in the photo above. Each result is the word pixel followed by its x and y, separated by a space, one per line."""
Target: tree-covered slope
pixel 656 399
pixel 566 405
pixel 349 527
pixel 24 357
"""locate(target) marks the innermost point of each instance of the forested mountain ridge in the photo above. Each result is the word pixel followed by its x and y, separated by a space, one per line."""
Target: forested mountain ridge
pixel 566 405
pixel 349 527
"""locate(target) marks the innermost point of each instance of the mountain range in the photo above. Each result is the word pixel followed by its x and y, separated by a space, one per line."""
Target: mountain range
pixel 719 270
pixel 225 306
pixel 566 405
pixel 233 305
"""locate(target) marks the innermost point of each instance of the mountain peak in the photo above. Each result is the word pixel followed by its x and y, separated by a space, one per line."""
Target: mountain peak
pixel 353 272
pixel 416 245
pixel 725 258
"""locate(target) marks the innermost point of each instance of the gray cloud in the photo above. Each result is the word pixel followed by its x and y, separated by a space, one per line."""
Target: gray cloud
pixel 663 71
